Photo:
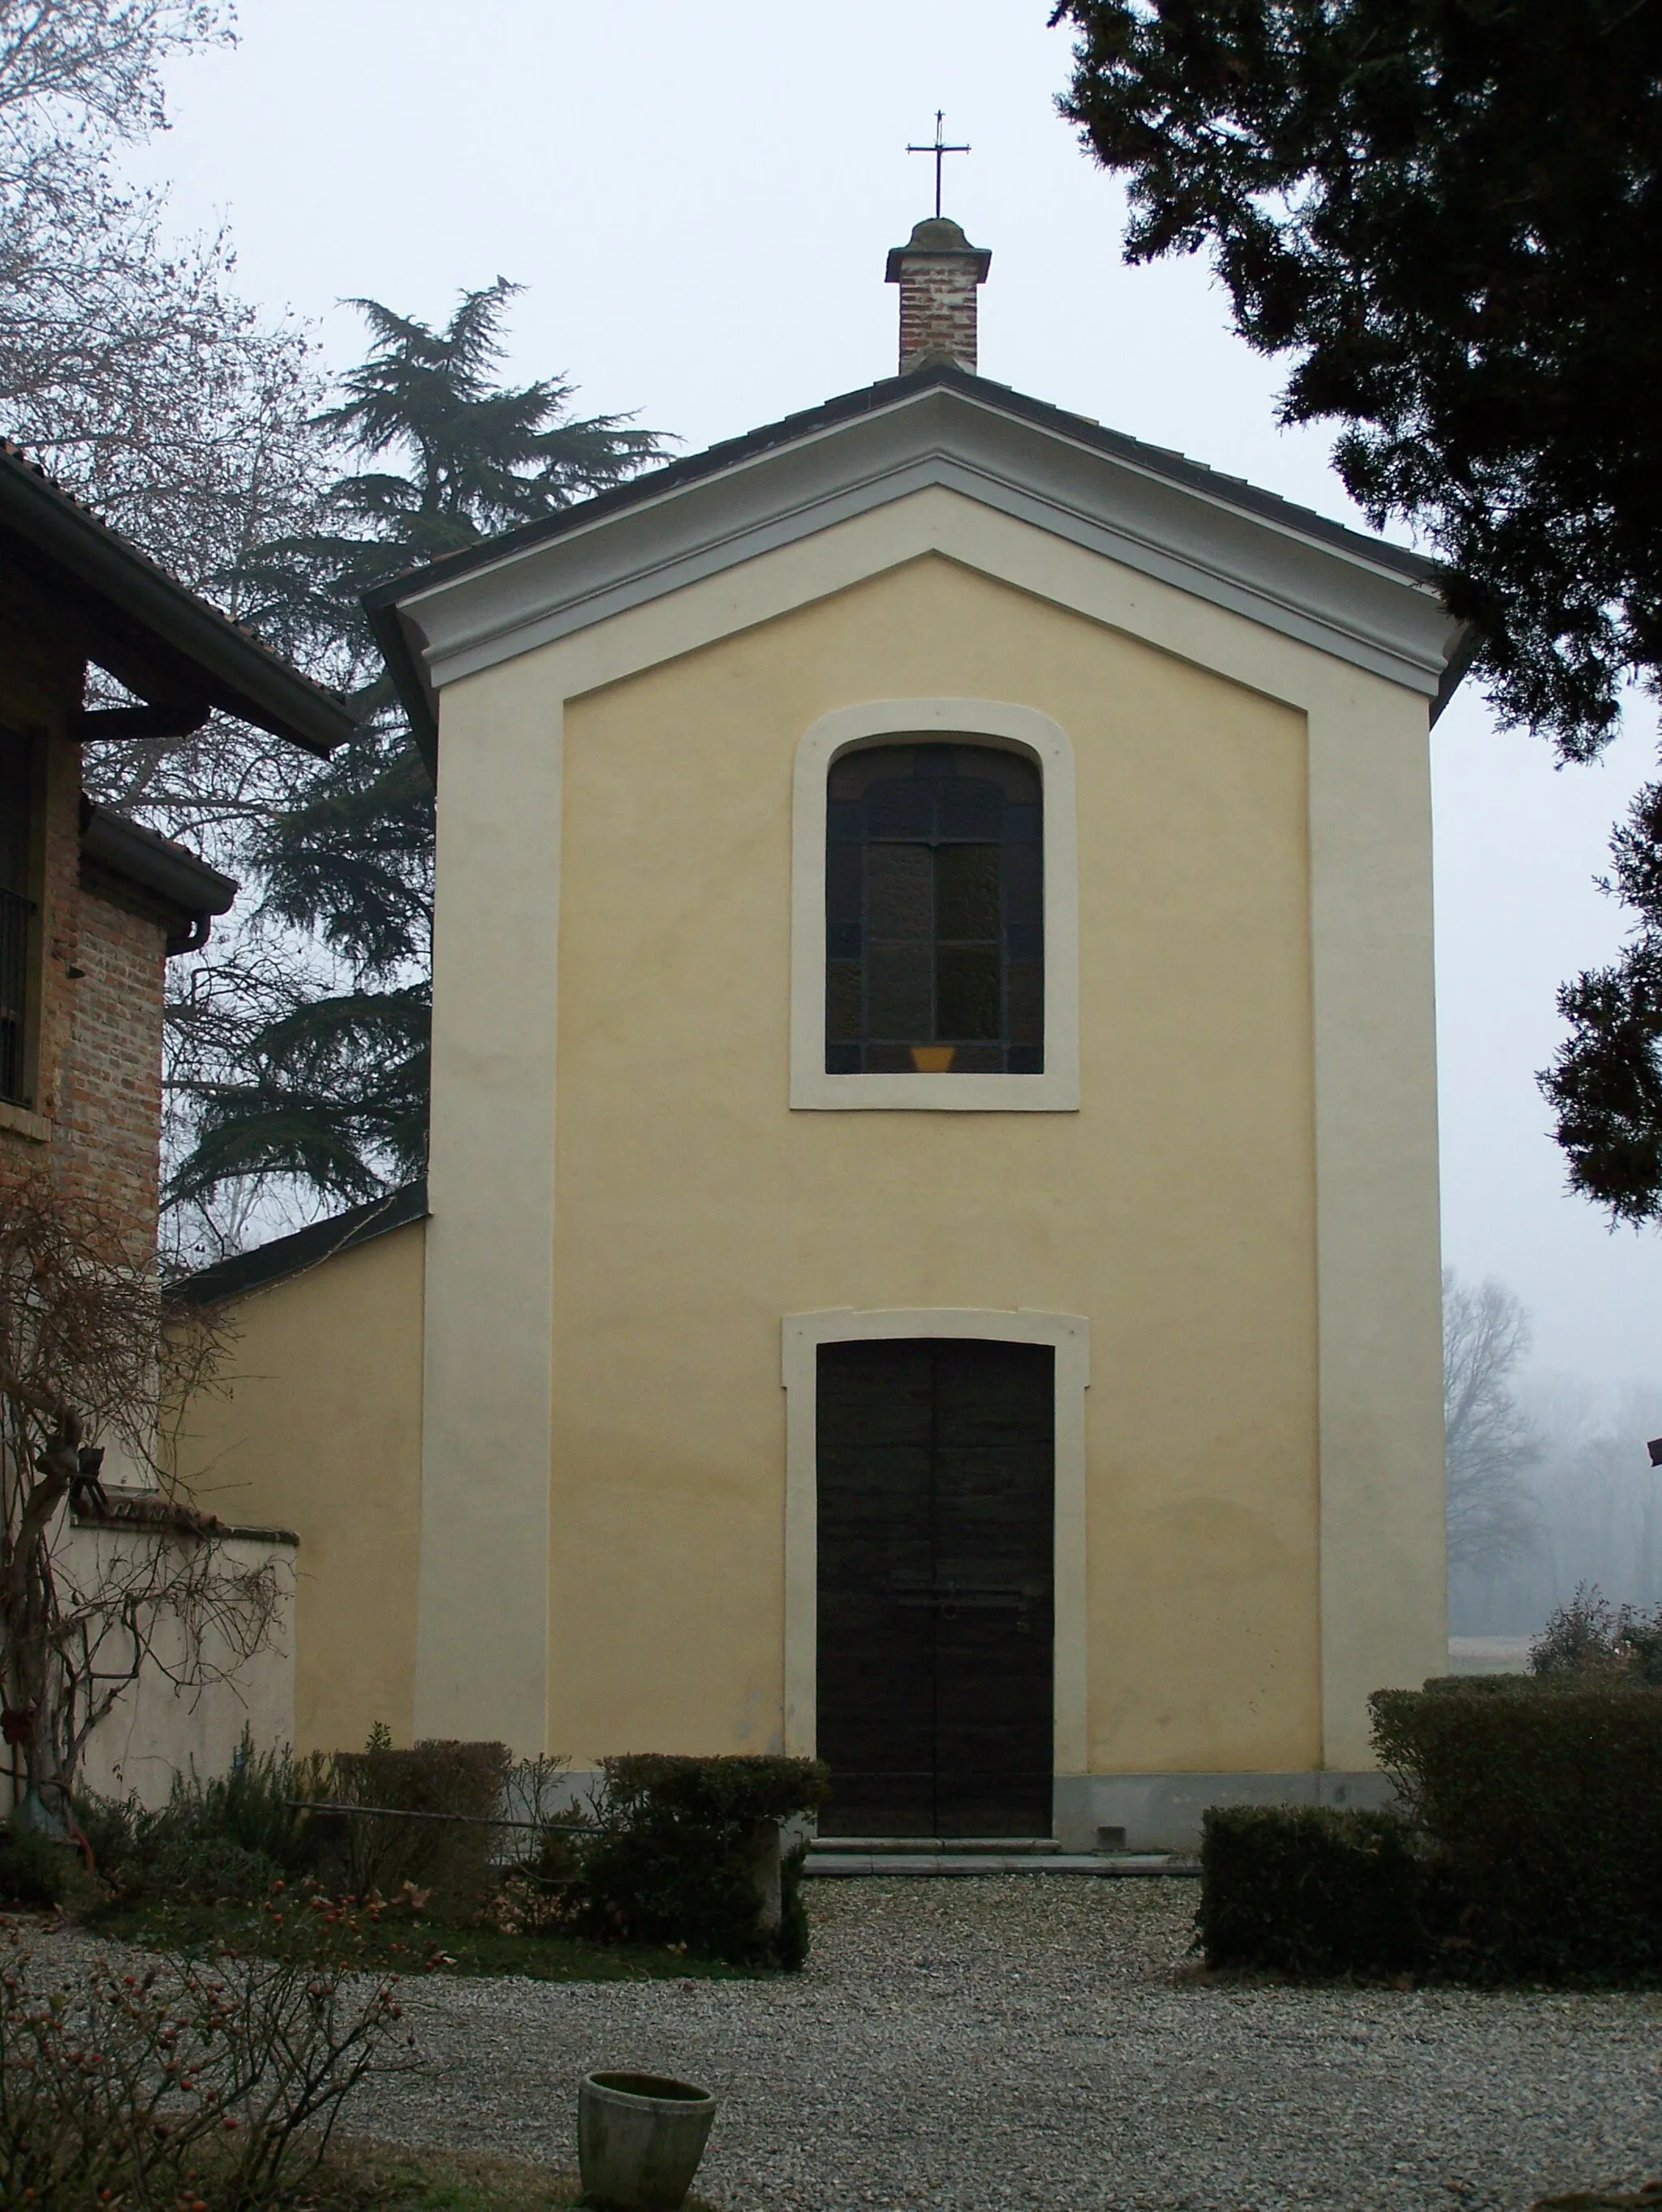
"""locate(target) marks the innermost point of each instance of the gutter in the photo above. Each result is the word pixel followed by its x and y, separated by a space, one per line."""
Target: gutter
pixel 245 679
pixel 409 678
pixel 157 864
pixel 1459 662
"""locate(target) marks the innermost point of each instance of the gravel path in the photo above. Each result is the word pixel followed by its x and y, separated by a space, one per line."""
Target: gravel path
pixel 1022 2041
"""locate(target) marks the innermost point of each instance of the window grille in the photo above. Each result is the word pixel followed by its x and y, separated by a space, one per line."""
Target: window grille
pixel 16 914
pixel 935 933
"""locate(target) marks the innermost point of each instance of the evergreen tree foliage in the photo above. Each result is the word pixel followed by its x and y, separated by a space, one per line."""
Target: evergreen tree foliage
pixel 332 1087
pixel 1605 1084
pixel 1449 213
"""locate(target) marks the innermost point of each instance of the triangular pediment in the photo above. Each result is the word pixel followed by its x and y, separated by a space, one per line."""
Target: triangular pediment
pixel 1217 538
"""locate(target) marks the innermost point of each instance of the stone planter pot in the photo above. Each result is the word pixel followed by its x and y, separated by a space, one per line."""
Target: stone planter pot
pixel 640 2137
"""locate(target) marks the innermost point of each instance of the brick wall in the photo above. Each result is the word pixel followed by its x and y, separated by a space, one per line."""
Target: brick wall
pixel 938 311
pixel 93 1127
pixel 107 1139
pixel 938 271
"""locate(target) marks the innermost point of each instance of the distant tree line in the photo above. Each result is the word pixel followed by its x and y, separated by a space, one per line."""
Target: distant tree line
pixel 1490 1444
pixel 1550 1486
pixel 1597 1513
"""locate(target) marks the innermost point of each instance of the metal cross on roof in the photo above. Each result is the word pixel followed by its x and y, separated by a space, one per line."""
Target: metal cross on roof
pixel 940 149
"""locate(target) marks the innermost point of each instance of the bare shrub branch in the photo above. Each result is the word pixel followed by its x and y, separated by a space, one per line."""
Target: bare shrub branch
pixel 82 1329
pixel 142 2089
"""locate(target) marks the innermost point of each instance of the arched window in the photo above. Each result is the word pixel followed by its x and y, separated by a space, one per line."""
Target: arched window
pixel 934 912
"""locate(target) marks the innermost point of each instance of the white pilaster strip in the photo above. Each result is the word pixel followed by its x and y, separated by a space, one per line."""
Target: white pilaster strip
pixel 482 1642
pixel 1378 1289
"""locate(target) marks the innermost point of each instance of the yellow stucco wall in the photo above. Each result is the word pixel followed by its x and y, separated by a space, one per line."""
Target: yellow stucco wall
pixel 318 1429
pixel 1176 1209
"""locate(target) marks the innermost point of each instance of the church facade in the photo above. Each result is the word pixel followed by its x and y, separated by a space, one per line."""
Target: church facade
pixel 930 1249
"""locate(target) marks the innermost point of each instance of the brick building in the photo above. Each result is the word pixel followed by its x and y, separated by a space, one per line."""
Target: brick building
pixel 91 906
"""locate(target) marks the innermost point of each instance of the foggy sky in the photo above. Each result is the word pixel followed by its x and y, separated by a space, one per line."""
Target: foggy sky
pixel 700 200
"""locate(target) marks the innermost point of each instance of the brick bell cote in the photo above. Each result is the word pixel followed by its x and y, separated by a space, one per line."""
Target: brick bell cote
pixel 938 271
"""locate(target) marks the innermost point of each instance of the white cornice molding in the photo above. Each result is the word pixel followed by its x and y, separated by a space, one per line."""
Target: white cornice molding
pixel 1327 596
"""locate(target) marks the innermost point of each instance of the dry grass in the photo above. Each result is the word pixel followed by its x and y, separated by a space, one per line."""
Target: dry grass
pixel 1598 2201
pixel 371 2177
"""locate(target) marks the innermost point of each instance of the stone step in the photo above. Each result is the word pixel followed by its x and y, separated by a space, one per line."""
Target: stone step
pixel 822 1864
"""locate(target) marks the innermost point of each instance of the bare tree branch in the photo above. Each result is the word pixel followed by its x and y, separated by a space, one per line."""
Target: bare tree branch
pixel 1489 1443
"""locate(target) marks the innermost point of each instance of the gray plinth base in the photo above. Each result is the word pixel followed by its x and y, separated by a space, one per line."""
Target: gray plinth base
pixel 1120 1816
pixel 830 1865
pixel 1138 1813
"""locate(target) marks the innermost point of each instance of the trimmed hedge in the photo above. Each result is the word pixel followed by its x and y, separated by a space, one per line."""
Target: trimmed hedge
pixel 680 1853
pixel 1541 1807
pixel 1529 1847
pixel 713 1791
pixel 1309 1890
pixel 231 1836
pixel 454 1858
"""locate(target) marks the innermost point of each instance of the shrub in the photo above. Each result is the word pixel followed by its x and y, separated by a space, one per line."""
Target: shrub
pixel 257 1805
pixel 1308 1891
pixel 208 1871
pixel 540 1892
pixel 1591 1637
pixel 1540 1803
pixel 230 1837
pixel 35 1873
pixel 683 1851
pixel 151 2092
pixel 109 1824
pixel 454 1858
pixel 433 1824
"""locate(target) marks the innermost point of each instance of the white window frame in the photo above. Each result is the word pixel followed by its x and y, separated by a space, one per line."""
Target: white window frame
pixel 894 721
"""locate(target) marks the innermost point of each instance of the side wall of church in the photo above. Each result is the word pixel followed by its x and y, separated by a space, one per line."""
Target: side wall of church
pixel 1176 1210
pixel 317 1429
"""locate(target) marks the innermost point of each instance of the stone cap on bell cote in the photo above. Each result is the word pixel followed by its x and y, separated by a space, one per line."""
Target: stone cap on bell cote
pixel 938 271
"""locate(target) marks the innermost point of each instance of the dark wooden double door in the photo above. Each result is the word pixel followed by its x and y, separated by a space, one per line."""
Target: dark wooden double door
pixel 936 1516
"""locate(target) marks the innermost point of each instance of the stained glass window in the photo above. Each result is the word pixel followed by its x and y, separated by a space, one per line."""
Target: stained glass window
pixel 934 920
